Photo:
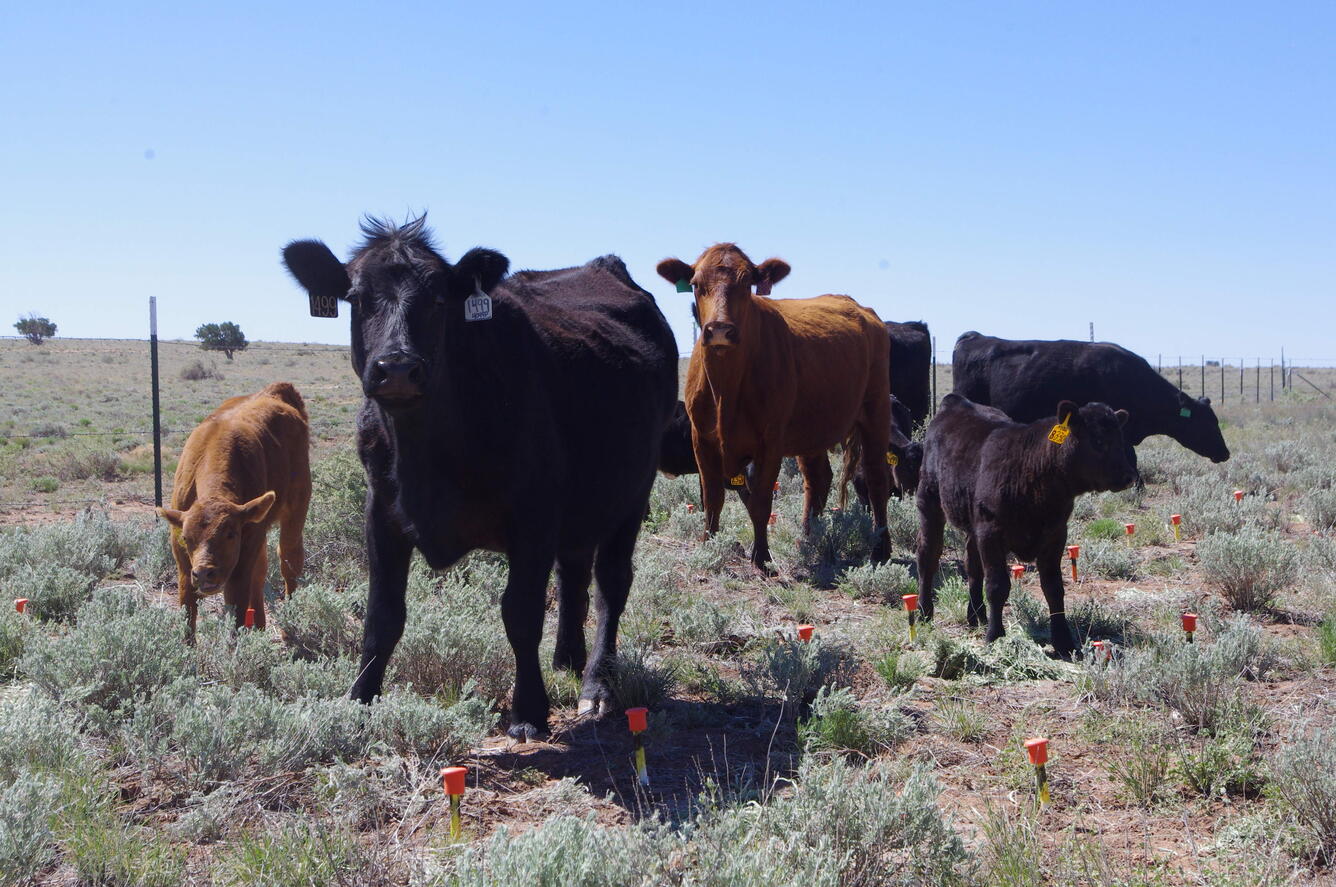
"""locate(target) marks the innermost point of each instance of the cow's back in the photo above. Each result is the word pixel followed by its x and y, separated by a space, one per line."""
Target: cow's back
pixel 953 445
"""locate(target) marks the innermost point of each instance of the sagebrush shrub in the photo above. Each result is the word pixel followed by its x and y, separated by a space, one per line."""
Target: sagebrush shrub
pixel 321 621
pixel 1303 780
pixel 880 582
pixel 29 805
pixel 334 537
pixel 38 734
pixel 793 671
pixel 838 723
pixel 53 592
pixel 1108 559
pixel 1248 567
pixel 92 543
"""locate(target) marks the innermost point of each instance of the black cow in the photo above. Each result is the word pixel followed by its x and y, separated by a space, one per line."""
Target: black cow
pixel 519 414
pixel 1025 378
pixel 911 368
pixel 907 457
pixel 1009 487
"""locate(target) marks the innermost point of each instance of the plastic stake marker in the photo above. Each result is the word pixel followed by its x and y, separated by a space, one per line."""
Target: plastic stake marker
pixel 250 617
pixel 1073 552
pixel 1189 625
pixel 20 604
pixel 454 778
pixel 1017 571
pixel 776 486
pixel 1102 651
pixel 911 608
pixel 1176 519
pixel 1238 495
pixel 1037 749
pixel 691 508
pixel 637 719
pixel 774 519
pixel 805 633
pixel 1130 528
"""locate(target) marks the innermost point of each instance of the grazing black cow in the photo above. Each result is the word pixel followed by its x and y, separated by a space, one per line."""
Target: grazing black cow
pixel 1009 487
pixel 1025 378
pixel 911 368
pixel 906 454
pixel 520 414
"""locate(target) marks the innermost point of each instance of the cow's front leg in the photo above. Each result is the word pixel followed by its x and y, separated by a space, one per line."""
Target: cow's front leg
pixel 522 606
pixel 388 555
pixel 760 500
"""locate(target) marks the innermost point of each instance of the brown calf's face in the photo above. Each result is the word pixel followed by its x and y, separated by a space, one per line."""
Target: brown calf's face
pixel 722 279
pixel 211 532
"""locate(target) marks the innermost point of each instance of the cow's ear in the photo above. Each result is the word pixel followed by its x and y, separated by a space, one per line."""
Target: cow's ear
pixel 771 272
pixel 675 271
pixel 1069 414
pixel 479 268
pixel 173 517
pixel 1122 417
pixel 316 268
pixel 257 509
pixel 1204 401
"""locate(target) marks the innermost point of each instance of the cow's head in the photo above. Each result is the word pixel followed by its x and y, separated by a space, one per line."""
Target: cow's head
pixel 1095 453
pixel 403 294
pixel 909 463
pixel 722 279
pixel 211 531
pixel 1197 428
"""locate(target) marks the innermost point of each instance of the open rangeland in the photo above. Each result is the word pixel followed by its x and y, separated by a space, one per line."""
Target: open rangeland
pixel 860 758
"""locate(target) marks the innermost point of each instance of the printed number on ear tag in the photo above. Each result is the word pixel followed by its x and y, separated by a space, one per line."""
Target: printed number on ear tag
pixel 324 306
pixel 1059 433
pixel 892 459
pixel 684 285
pixel 737 481
pixel 1185 413
pixel 478 307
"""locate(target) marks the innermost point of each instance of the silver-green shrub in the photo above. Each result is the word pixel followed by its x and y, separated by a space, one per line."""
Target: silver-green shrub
pixel 53 592
pixel 879 582
pixel 1248 567
pixel 1303 780
pixel 29 805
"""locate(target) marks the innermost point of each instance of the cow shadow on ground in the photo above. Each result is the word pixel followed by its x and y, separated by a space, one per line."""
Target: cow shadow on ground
pixel 697 753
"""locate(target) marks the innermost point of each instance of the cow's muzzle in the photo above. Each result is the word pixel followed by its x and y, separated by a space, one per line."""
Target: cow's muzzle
pixel 397 378
pixel 718 333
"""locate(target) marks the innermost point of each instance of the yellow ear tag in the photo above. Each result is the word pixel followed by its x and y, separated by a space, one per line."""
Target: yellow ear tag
pixel 1060 431
pixel 892 459
pixel 737 481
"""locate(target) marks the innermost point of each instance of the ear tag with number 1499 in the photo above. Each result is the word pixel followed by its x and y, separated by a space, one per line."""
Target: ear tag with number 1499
pixel 479 305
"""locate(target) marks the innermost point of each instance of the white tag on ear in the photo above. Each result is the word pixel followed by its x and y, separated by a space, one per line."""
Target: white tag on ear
pixel 479 305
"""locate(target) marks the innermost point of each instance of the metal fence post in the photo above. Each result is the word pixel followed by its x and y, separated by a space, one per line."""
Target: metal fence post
pixel 157 414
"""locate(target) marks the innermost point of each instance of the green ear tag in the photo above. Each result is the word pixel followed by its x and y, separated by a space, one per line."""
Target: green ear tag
pixel 684 285
pixel 1185 413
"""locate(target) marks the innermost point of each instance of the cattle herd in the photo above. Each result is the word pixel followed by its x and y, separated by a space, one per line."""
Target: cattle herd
pixel 528 413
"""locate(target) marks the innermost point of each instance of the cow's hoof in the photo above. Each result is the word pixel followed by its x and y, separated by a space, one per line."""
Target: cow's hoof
pixel 593 707
pixel 526 732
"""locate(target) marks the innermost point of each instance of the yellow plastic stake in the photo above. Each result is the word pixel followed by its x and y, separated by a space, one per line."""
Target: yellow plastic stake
pixel 1037 749
pixel 1176 519
pixel 454 779
pixel 637 719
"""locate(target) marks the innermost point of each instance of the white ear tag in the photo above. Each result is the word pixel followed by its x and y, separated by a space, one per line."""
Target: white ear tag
pixel 479 305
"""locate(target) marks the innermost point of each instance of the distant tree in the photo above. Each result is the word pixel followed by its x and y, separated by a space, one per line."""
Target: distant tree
pixel 224 337
pixel 35 329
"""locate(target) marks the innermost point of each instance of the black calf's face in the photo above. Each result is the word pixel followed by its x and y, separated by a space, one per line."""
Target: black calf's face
pixel 1199 428
pixel 906 472
pixel 403 295
pixel 1099 457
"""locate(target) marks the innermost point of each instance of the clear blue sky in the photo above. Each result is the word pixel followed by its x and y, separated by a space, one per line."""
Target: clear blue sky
pixel 1167 171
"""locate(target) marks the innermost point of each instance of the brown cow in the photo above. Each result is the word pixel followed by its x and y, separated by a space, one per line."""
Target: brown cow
pixel 243 469
pixel 771 378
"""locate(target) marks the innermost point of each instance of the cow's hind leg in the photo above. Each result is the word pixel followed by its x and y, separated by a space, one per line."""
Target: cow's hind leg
pixel 932 528
pixel 612 568
pixel 997 580
pixel 573 572
pixel 817 477
pixel 522 606
pixel 877 473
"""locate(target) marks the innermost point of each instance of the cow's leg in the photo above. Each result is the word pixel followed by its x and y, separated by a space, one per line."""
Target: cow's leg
pixel 978 615
pixel 997 579
pixel 184 589
pixel 258 575
pixel 573 571
pixel 758 506
pixel 614 573
pixel 932 527
pixel 388 554
pixel 1132 460
pixel 291 551
pixel 817 478
pixel 1049 563
pixel 877 473
pixel 712 480
pixel 522 606
pixel 237 590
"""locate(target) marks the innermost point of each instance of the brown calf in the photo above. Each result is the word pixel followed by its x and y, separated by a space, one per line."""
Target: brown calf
pixel 243 469
pixel 771 378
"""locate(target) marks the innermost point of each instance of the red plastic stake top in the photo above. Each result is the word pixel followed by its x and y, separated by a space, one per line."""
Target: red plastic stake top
pixel 805 633
pixel 637 719
pixel 1130 528
pixel 1037 749
pixel 1238 495
pixel 911 601
pixel 1073 551
pixel 1175 519
pixel 776 486
pixel 20 604
pixel 1017 571
pixel 774 519
pixel 454 778
pixel 1189 622
pixel 691 508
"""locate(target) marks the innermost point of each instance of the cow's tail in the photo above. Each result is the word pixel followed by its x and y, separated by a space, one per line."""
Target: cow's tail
pixel 853 450
pixel 285 392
